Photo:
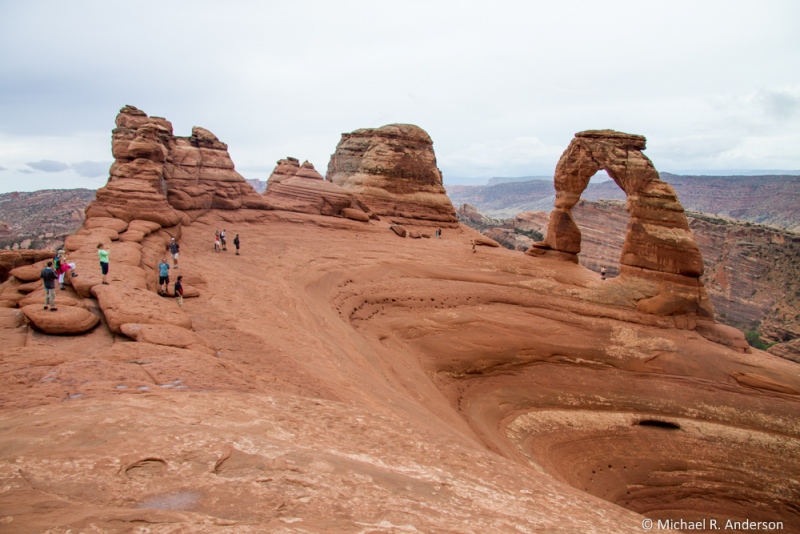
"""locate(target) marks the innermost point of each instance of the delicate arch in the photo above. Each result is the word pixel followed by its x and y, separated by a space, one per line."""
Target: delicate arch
pixel 658 242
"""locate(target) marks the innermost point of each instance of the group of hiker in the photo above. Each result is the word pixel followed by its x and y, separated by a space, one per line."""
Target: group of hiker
pixel 56 270
pixel 163 273
pixel 221 244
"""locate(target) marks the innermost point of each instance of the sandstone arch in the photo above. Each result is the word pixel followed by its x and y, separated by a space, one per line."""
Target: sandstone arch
pixel 659 246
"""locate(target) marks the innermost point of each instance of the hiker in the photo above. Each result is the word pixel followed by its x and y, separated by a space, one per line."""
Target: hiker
pixel 163 276
pixel 236 243
pixel 602 273
pixel 103 254
pixel 179 291
pixel 217 246
pixel 473 245
pixel 49 278
pixel 222 239
pixel 174 249
pixel 439 233
pixel 62 267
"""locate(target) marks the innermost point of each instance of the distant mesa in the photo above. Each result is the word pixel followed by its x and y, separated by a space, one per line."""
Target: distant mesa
pixel 393 169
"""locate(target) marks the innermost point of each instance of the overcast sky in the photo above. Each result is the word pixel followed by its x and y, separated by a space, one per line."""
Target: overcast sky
pixel 500 86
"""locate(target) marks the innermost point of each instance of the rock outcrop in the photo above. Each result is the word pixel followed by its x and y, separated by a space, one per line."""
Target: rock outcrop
pixel 658 246
pixel 300 188
pixel 290 167
pixel 159 177
pixel 751 273
pixel 286 168
pixel 393 169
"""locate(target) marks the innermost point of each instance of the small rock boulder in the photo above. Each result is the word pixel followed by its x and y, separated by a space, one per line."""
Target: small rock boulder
pixel 124 304
pixel 28 273
pixel 166 335
pixel 399 230
pixel 118 225
pixel 356 215
pixel 67 320
pixel 486 241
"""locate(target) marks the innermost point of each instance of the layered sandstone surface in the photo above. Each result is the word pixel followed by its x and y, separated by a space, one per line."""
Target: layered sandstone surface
pixel 335 384
pixel 333 377
pixel 393 169
pixel 752 274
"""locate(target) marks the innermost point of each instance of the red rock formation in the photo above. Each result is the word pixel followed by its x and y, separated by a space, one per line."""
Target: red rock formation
pixel 67 320
pixel 659 245
pixel 286 168
pixel 12 259
pixel 314 196
pixel 438 389
pixel 307 170
pixel 156 173
pixel 393 169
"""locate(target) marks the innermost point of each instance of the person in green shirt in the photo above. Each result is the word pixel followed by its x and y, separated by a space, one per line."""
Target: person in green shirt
pixel 103 254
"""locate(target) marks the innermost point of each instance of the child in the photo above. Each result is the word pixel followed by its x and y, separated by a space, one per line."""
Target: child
pixel 179 291
pixel 62 267
pixel 103 254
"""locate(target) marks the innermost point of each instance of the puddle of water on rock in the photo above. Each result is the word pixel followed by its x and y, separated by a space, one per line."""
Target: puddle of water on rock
pixel 122 387
pixel 182 500
pixel 143 388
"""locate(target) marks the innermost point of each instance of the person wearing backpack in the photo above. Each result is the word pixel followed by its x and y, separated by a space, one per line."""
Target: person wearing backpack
pixel 236 243
pixel 49 278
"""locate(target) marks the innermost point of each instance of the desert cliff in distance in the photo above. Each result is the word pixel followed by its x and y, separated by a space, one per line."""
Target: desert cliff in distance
pixel 350 371
pixel 770 199
pixel 744 227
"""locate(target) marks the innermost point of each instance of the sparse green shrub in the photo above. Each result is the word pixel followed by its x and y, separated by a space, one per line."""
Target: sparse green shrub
pixel 755 341
pixel 533 234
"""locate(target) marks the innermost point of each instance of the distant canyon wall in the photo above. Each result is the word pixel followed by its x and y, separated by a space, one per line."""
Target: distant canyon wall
pixel 769 200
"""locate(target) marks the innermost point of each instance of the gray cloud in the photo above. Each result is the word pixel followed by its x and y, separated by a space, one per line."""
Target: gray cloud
pixel 3 169
pixel 91 169
pixel 780 104
pixel 25 171
pixel 704 93
pixel 48 165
